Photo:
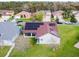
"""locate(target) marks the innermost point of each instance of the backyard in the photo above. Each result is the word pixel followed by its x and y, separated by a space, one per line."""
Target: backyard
pixel 69 36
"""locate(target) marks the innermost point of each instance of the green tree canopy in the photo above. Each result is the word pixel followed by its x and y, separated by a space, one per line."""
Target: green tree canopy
pixel 73 20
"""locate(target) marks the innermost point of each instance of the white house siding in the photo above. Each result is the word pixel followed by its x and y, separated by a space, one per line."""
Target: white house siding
pixel 77 18
pixel 47 17
pixel 17 17
pixel 61 19
pixel 48 39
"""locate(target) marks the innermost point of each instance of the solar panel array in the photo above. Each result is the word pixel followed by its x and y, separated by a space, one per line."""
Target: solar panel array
pixel 52 24
pixel 32 26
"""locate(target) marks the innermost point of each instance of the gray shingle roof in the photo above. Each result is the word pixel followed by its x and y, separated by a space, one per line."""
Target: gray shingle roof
pixel 8 30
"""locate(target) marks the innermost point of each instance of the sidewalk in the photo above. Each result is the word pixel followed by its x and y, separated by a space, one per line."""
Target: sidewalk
pixel 10 50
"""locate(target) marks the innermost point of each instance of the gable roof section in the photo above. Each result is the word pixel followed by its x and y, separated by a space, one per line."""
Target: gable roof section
pixel 23 13
pixel 57 13
pixel 7 12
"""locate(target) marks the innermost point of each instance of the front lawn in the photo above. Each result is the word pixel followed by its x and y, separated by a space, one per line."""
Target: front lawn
pixel 4 50
pixel 39 50
pixel 69 36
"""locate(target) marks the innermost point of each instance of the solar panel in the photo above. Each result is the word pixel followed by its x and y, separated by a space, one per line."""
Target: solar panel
pixel 32 26
pixel 52 24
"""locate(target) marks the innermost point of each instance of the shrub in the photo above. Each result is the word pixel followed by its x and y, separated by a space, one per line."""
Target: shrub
pixel 11 18
pixel 33 41
pixel 73 20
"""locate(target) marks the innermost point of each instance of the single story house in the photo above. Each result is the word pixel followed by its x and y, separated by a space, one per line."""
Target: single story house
pixel 5 15
pixel 58 14
pixel 45 32
pixel 23 14
pixel 47 16
pixel 8 33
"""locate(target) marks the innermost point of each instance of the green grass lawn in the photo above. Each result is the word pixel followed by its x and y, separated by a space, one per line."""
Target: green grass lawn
pixel 39 50
pixel 4 50
pixel 67 19
pixel 69 36
pixel 24 19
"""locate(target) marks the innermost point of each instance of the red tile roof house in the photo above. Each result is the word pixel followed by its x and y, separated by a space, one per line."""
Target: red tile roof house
pixel 58 14
pixel 6 14
pixel 23 14
pixel 45 32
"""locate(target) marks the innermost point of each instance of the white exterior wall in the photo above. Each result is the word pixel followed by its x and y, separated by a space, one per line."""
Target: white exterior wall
pixel 61 19
pixel 77 18
pixel 48 39
pixel 47 17
pixel 17 17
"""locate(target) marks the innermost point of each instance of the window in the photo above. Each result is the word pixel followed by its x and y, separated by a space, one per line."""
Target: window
pixel 24 16
pixel 30 34
pixel 52 24
pixel 33 34
pixel 41 39
pixel 0 34
pixel 21 16
pixel 27 34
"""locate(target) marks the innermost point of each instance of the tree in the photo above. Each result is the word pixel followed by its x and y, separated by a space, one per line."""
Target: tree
pixel 73 20
pixel 33 41
pixel 67 13
pixel 38 16
pixel 57 20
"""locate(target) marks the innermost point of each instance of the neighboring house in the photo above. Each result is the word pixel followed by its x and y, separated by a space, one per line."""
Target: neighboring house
pixel 58 14
pixel 5 15
pixel 45 32
pixel 23 14
pixel 8 33
pixel 76 13
pixel 47 16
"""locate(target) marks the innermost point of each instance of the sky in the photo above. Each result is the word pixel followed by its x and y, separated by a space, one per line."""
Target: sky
pixel 41 0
